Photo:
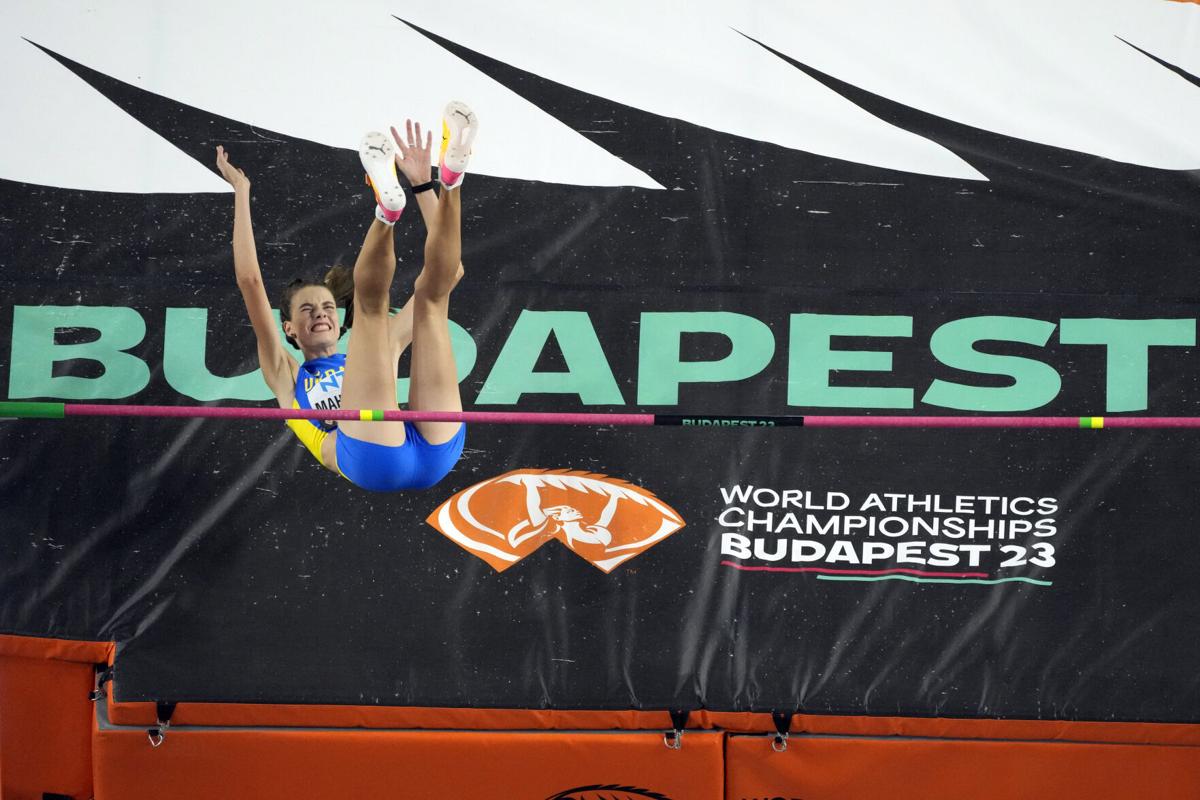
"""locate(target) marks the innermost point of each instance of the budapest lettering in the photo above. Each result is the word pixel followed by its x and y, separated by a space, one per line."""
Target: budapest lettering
pixel 816 366
pixel 927 538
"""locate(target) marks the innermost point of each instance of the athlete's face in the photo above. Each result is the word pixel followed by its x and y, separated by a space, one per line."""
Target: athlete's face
pixel 314 322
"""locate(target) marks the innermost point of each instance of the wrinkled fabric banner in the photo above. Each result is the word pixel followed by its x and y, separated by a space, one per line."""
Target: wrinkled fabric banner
pixel 974 573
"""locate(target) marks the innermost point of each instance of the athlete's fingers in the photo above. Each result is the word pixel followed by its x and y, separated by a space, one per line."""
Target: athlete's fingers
pixel 408 128
pixel 401 148
pixel 429 141
pixel 224 167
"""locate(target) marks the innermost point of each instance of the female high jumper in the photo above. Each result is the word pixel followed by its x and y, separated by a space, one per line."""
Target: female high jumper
pixel 379 456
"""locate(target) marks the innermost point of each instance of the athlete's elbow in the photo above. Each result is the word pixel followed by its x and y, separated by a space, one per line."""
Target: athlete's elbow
pixel 248 280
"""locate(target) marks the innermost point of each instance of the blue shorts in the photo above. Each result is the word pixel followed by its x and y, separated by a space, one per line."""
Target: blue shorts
pixel 416 464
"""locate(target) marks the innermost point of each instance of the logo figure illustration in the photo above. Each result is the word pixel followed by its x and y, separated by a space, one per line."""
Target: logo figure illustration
pixel 560 519
pixel 604 520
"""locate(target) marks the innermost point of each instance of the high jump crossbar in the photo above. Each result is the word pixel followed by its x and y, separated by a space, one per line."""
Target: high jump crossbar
pixel 41 410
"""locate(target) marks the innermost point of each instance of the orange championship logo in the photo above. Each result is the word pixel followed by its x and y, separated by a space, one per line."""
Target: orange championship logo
pixel 605 520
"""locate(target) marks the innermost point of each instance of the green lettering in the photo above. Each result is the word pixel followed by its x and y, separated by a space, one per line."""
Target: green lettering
pixel 812 359
pixel 1128 343
pixel 34 352
pixel 185 369
pixel 185 345
pixel 1034 383
pixel 588 373
pixel 660 371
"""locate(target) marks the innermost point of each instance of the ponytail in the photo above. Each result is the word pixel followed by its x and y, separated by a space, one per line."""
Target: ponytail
pixel 339 280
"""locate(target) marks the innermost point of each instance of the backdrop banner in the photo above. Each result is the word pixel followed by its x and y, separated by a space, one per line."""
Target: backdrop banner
pixel 812 228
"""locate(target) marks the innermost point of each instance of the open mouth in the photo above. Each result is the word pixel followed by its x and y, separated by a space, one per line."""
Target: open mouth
pixel 321 326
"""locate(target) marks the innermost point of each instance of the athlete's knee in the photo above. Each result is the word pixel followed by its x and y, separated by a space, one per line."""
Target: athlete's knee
pixel 432 287
pixel 368 303
pixel 443 252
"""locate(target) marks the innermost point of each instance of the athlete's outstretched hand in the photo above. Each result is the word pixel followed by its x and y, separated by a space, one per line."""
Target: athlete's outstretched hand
pixel 237 179
pixel 412 158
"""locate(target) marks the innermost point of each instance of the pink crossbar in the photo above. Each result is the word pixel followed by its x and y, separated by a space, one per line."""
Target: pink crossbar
pixel 608 419
pixel 230 412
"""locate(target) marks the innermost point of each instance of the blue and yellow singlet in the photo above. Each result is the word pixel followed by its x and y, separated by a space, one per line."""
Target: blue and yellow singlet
pixel 416 464
pixel 318 385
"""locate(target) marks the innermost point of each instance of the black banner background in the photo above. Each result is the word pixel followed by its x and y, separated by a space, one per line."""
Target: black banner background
pixel 229 567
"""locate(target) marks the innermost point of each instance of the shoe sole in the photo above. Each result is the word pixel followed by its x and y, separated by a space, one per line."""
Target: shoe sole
pixel 459 126
pixel 378 157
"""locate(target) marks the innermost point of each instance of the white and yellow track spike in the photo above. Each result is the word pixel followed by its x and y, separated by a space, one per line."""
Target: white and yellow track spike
pixel 459 126
pixel 378 156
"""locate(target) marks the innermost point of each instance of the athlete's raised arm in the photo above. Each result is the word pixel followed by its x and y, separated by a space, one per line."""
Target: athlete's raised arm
pixel 278 366
pixel 414 160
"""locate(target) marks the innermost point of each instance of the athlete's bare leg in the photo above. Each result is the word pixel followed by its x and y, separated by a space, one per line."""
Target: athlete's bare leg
pixel 434 384
pixel 370 378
